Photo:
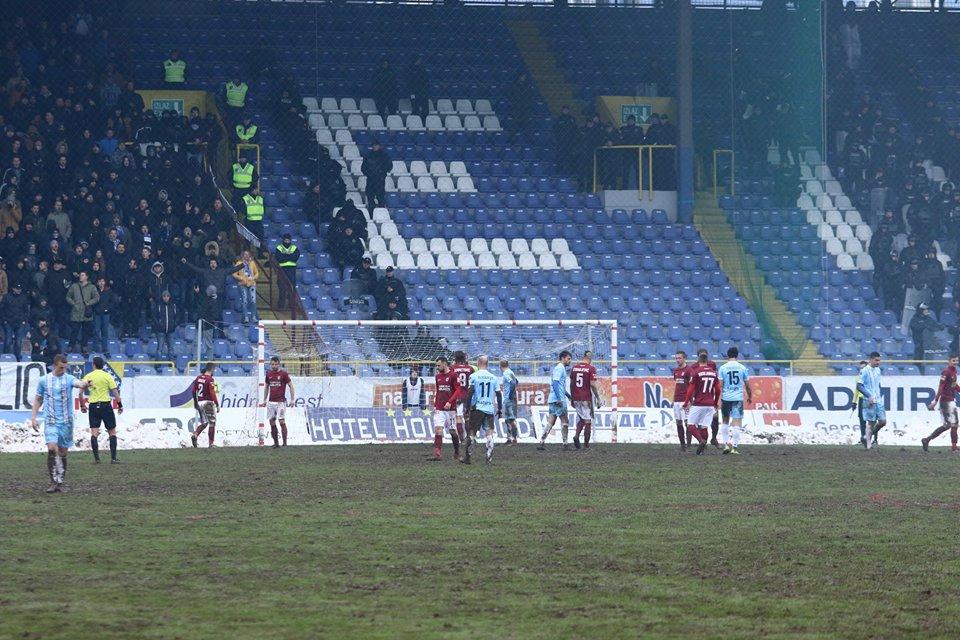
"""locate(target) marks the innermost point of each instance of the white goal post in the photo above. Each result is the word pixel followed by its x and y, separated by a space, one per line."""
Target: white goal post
pixel 369 353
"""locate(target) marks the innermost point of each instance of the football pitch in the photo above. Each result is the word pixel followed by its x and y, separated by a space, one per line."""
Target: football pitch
pixel 378 542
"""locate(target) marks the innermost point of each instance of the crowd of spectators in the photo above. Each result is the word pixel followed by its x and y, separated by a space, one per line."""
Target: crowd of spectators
pixel 105 206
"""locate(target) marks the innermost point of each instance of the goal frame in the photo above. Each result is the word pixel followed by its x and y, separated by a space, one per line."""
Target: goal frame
pixel 262 345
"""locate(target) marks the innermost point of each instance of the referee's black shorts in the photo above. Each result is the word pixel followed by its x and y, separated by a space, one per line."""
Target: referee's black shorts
pixel 102 413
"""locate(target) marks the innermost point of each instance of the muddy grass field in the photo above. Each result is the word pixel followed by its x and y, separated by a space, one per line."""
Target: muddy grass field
pixel 377 542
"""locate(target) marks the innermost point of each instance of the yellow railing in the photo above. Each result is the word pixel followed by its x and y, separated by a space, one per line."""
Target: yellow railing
pixel 642 149
pixel 717 153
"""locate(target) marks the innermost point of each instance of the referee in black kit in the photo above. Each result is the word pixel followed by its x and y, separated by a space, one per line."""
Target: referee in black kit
pixel 102 387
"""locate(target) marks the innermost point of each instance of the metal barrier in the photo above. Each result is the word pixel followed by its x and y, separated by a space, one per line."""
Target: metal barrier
pixel 642 150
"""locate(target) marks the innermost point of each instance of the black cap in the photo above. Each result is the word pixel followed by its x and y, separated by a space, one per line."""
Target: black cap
pixel 367 261
pixel 287 236
pixel 17 285
pixel 389 269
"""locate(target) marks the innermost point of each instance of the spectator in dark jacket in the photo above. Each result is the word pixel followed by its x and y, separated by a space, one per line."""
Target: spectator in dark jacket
pixel 16 319
pixel 419 85
pixel 375 167
pixel 159 282
pixel 165 318
pixel 346 250
pixel 211 312
pixel 40 311
pixel 934 274
pixel 56 285
pixel 367 275
pixel 44 344
pixel 101 314
pixel 391 289
pixel 214 275
pixel 922 330
pixel 131 286
pixel 385 90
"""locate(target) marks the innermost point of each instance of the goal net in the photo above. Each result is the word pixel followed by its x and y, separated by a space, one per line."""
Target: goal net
pixel 349 375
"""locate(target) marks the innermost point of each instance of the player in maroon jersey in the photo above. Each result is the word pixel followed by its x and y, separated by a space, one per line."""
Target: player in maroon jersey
pixel 275 399
pixel 584 390
pixel 462 371
pixel 681 379
pixel 204 391
pixel 703 394
pixel 946 398
pixel 445 412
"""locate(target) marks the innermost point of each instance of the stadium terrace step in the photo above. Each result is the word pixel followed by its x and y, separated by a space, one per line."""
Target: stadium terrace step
pixel 543 66
pixel 776 319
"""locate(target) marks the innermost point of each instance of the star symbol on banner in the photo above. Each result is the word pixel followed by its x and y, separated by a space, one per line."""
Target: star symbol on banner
pixel 427 412
pixel 391 412
pixel 407 412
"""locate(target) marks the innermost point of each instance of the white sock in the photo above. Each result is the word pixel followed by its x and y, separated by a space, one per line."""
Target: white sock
pixel 58 469
pixel 546 432
pixel 489 443
pixel 736 435
pixel 725 433
pixel 564 430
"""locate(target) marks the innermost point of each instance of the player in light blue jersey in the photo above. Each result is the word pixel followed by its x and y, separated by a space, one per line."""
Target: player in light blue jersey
pixel 734 384
pixel 558 400
pixel 873 412
pixel 508 388
pixel 485 401
pixel 55 395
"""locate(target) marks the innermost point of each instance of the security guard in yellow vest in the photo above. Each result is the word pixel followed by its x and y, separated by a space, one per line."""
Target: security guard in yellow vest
pixel 236 92
pixel 174 69
pixel 253 210
pixel 287 254
pixel 244 177
pixel 246 131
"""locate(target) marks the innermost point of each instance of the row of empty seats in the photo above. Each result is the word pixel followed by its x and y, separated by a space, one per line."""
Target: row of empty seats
pixel 325 126
pixel 368 106
pixel 524 261
pixel 460 246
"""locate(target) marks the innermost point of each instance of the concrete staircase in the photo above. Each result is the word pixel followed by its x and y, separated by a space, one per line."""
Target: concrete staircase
pixel 776 319
pixel 543 67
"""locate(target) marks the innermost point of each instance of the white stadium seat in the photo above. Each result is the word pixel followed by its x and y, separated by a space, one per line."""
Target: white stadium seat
pixel 446 261
pixel 433 123
pixel 336 121
pixel 394 123
pixel 458 168
pixel 389 230
pixel 853 217
pixel 492 123
pixel 361 183
pixel 844 232
pixel 478 245
pixel 368 106
pixel 805 202
pixel 405 183
pixel 343 137
pixel 824 202
pixel 568 261
pixel 822 172
pixel 853 247
pixel 355 167
pixel 539 246
pixel 405 261
pixel 376 245
pixel 397 245
pixel 499 246
pixel 548 261
pixel 438 245
pixel 843 202
pixel 845 262
pixel 937 174
pixel 865 262
pixel 445 185
pixel 812 157
pixel 464 106
pixel 414 123
pixel 404 106
pixel 445 106
pixel 805 172
pixel 506 261
pixel 418 168
pixel 466 261
pixel 486 261
pixel 355 121
pixel 814 187
pixel 559 246
pixel 438 168
pixel 375 123
pixel 825 232
pixel 384 260
pixel 834 247
pixel 311 104
pixel 519 245
pixel 349 105
pixel 483 107
pixel 833 217
pixel 452 123
pixel 324 136
pixel 425 261
pixel 425 185
pixel 372 230
pixel 864 233
pixel 399 168
pixel 814 217
pixel 418 246
pixel 329 105
pixel 458 246
pixel 316 121
pixel 527 261
pixel 833 188
pixel 381 215
pixel 465 184
pixel 351 152
pixel 472 123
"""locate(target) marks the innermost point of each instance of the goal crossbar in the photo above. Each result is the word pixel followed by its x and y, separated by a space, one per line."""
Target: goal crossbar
pixel 263 325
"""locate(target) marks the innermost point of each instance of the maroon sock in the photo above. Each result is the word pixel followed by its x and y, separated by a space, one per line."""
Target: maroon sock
pixel 437 443
pixel 199 430
pixel 936 433
pixel 703 434
pixel 587 428
pixel 283 432
pixel 681 433
pixel 696 433
pixel 953 437
pixel 579 428
pixel 273 433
